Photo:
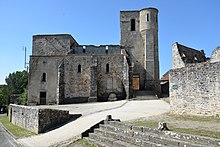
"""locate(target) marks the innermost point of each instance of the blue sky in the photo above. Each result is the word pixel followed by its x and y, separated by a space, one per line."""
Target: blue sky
pixel 194 23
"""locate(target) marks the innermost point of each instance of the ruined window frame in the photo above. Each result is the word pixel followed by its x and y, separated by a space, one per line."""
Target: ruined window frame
pixel 132 25
pixel 79 69
pixel 107 68
pixel 44 77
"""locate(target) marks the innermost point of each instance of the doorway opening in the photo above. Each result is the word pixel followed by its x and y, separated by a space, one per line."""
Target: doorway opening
pixel 43 96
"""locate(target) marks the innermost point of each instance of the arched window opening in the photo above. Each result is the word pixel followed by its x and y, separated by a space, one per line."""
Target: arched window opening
pixel 44 77
pixel 79 68
pixel 132 24
pixel 107 68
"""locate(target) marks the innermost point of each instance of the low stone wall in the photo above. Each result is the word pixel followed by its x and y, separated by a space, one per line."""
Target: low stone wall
pixel 35 119
pixel 195 89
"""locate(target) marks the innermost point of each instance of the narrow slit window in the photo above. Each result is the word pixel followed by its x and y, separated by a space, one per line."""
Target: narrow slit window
pixel 107 68
pixel 132 24
pixel 44 77
pixel 79 68
pixel 147 16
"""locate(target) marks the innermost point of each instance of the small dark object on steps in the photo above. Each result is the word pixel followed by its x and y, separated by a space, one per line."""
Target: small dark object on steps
pixel 162 126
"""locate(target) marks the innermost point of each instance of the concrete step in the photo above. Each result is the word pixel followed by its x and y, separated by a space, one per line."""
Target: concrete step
pixel 144 95
pixel 104 140
pixel 139 138
pixel 107 141
pixel 144 92
pixel 127 128
pixel 132 141
pixel 98 143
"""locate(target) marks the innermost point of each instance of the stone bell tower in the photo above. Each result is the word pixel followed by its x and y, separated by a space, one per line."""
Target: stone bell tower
pixel 139 36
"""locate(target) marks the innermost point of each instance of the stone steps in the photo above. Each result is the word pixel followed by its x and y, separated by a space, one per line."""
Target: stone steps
pixel 142 139
pixel 103 141
pixel 144 95
pixel 117 134
pixel 132 141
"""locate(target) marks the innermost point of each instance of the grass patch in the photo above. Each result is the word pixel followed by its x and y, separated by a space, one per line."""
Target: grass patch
pixel 206 133
pixel 82 143
pixel 195 118
pixel 147 123
pixel 15 130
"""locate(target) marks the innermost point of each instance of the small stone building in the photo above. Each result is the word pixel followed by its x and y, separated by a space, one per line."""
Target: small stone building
pixel 63 71
pixel 195 82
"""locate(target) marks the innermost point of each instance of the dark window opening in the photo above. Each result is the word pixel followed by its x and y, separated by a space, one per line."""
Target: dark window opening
pixel 132 24
pixel 107 68
pixel 44 76
pixel 79 68
pixel 156 18
pixel 148 17
pixel 43 96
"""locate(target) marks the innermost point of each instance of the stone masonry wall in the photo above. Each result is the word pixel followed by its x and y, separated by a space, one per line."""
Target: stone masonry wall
pixel 49 118
pixel 102 49
pixel 49 66
pixel 78 85
pixel 57 44
pixel 25 117
pixel 182 55
pixel 36 119
pixel 195 89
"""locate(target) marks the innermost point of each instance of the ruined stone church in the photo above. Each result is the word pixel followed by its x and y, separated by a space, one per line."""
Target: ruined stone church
pixel 63 71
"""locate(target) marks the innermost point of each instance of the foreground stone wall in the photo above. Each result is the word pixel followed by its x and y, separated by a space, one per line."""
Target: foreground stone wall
pixel 36 119
pixel 195 89
pixel 25 117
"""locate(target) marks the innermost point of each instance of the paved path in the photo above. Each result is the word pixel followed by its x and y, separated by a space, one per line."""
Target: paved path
pixel 5 139
pixel 94 113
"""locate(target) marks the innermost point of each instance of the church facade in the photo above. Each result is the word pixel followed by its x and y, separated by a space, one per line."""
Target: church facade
pixel 63 71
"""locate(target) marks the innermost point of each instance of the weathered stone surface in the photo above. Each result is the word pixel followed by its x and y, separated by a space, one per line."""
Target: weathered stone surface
pixel 194 82
pixel 195 89
pixel 182 55
pixel 112 132
pixel 215 57
pixel 62 71
pixel 112 97
pixel 36 119
pixel 142 45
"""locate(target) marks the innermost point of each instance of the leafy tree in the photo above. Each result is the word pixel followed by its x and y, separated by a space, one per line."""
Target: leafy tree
pixel 17 82
pixel 3 94
pixel 22 100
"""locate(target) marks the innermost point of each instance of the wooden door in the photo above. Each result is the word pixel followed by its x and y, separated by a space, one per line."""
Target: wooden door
pixel 136 82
